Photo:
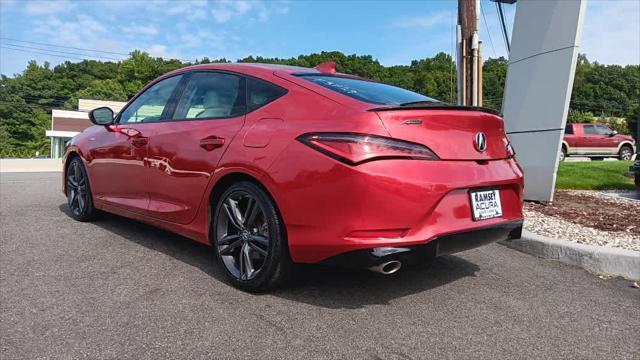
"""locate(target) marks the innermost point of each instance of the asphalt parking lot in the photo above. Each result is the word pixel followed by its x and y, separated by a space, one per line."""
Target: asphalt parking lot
pixel 119 289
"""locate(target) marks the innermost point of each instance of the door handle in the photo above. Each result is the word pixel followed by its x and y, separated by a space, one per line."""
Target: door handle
pixel 211 143
pixel 140 141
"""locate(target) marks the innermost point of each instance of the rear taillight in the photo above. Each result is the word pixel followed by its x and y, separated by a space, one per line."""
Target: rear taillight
pixel 354 149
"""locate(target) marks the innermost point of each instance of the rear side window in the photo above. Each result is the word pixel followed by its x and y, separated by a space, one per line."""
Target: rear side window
pixel 590 130
pixel 367 91
pixel 210 95
pixel 568 129
pixel 260 93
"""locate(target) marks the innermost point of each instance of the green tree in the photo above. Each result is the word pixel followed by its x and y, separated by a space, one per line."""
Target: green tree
pixel 109 89
pixel 27 98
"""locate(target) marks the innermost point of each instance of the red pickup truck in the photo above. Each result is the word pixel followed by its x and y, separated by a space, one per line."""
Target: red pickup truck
pixel 596 142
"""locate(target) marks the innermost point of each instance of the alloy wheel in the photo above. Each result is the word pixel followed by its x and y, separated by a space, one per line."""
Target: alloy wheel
pixel 76 189
pixel 626 154
pixel 242 235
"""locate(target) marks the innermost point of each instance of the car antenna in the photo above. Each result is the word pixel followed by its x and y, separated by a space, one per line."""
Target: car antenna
pixel 328 67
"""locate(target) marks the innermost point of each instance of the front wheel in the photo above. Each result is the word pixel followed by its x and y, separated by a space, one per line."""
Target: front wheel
pixel 249 238
pixel 79 198
pixel 625 153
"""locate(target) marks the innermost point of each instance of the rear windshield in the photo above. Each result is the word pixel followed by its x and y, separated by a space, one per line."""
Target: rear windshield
pixel 367 91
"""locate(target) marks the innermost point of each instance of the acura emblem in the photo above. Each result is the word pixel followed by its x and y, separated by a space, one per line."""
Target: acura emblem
pixel 481 142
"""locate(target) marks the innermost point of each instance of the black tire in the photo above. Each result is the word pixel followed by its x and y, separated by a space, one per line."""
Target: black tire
pixel 596 158
pixel 249 238
pixel 79 197
pixel 625 153
pixel 563 153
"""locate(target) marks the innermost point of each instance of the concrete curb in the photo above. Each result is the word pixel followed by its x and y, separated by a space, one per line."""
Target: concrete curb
pixel 595 259
pixel 30 165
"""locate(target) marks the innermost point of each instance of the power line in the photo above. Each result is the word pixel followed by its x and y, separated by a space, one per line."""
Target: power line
pixel 453 46
pixel 486 25
pixel 81 49
pixel 61 46
pixel 504 27
pixel 43 53
pixel 61 52
pixel 50 97
pixel 24 104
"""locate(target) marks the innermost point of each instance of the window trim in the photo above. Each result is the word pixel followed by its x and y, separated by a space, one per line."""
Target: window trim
pixel 179 91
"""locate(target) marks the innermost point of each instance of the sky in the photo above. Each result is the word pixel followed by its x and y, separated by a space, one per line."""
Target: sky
pixel 394 32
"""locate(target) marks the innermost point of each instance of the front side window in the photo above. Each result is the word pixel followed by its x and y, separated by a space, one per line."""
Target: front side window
pixel 367 91
pixel 148 107
pixel 603 130
pixel 210 95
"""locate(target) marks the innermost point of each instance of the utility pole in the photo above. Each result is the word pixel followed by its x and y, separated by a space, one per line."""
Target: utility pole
pixel 469 56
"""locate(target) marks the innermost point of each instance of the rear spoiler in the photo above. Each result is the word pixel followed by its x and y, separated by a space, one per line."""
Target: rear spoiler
pixel 439 107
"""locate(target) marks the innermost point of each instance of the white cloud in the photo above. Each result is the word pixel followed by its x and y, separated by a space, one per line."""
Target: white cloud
pixel 159 50
pixel 149 30
pixel 425 21
pixel 48 7
pixel 247 10
pixel 611 33
pixel 71 31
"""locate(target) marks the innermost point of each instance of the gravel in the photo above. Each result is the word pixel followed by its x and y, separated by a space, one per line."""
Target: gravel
pixel 559 228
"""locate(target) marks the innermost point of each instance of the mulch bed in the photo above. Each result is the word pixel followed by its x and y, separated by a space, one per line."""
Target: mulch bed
pixel 597 211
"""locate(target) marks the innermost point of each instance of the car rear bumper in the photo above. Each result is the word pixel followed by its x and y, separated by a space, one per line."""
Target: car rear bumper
pixel 331 208
pixel 444 245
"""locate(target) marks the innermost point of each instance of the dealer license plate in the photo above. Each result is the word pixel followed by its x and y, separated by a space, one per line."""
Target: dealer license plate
pixel 485 204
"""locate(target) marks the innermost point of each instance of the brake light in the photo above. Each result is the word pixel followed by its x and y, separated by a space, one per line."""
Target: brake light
pixel 354 149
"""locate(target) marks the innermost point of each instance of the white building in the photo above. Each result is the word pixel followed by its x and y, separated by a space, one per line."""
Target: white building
pixel 66 124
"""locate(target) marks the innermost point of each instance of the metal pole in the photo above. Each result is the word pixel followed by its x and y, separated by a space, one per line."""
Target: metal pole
pixel 459 64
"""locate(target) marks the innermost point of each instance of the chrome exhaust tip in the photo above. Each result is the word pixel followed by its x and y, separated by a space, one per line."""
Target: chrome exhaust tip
pixel 387 267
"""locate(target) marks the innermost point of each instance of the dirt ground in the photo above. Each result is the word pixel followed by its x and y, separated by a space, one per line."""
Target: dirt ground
pixel 594 210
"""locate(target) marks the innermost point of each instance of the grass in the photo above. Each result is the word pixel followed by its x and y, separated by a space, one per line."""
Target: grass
pixel 594 175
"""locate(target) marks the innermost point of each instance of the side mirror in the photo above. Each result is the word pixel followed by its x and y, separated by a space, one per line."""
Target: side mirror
pixel 613 133
pixel 101 116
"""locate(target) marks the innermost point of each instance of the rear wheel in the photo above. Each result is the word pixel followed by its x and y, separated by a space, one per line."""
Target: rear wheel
pixel 563 153
pixel 79 198
pixel 249 238
pixel 625 153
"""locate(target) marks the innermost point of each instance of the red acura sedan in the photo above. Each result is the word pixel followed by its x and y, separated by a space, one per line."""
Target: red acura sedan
pixel 275 165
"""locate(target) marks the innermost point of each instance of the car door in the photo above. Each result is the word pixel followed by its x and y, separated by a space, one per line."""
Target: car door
pixel 184 151
pixel 119 157
pixel 606 144
pixel 590 144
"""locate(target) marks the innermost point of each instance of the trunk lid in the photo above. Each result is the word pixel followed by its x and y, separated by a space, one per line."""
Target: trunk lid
pixel 450 133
